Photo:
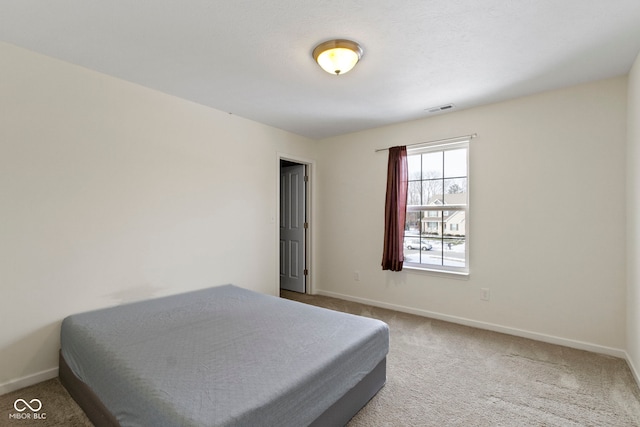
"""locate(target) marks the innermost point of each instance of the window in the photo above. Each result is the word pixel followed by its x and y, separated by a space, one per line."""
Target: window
pixel 437 208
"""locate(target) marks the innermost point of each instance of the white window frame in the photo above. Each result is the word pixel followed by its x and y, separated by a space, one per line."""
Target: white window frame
pixel 438 147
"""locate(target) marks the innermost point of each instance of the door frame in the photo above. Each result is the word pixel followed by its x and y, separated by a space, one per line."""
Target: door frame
pixel 309 253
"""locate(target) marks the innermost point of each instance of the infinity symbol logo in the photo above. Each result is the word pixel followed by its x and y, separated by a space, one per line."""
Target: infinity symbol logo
pixel 26 405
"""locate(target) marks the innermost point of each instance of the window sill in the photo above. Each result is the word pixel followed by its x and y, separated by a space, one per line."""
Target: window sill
pixel 444 273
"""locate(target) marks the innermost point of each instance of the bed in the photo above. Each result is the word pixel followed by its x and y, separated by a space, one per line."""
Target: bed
pixel 222 356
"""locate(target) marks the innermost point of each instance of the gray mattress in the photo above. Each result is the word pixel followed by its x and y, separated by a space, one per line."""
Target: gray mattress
pixel 222 356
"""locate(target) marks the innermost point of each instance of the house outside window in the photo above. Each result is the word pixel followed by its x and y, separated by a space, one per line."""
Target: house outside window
pixel 438 208
pixel 432 226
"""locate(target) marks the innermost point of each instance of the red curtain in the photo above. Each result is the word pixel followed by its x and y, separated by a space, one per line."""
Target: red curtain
pixel 395 209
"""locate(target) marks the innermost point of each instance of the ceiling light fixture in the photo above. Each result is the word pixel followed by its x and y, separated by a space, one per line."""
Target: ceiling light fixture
pixel 337 56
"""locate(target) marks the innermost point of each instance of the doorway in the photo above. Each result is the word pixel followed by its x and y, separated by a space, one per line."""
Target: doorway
pixel 294 226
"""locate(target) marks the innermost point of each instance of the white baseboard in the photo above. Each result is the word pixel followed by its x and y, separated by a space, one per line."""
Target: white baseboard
pixel 36 378
pixel 580 345
pixel 633 369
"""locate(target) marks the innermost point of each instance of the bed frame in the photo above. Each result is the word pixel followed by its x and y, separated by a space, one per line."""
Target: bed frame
pixel 338 414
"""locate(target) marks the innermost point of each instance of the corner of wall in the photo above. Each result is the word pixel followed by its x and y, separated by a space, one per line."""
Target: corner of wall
pixel 633 212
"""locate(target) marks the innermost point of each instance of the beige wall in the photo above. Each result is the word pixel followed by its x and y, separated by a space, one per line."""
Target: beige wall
pixel 547 218
pixel 633 220
pixel 110 192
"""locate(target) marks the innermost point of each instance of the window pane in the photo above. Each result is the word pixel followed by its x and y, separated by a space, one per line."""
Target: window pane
pixel 412 224
pixel 454 252
pixel 455 163
pixel 432 256
pixel 455 224
pixel 432 192
pixel 413 246
pixel 455 191
pixel 432 165
pixel 411 252
pixel 432 227
pixel 414 166
pixel 414 193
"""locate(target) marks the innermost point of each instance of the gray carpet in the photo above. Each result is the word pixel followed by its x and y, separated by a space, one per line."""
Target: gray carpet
pixel 442 374
pixel 58 407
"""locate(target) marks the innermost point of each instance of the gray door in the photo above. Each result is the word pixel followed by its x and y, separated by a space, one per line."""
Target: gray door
pixel 292 228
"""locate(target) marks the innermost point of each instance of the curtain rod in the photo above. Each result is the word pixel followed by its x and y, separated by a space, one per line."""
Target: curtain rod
pixel 473 135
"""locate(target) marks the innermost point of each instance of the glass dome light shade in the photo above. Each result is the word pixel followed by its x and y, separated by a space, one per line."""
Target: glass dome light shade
pixel 337 56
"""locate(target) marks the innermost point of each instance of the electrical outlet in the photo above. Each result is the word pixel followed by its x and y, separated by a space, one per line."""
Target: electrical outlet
pixel 485 294
pixel 356 276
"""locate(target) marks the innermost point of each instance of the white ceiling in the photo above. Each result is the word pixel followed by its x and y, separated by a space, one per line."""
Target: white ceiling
pixel 253 58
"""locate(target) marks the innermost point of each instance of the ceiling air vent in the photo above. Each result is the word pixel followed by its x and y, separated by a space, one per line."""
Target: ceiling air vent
pixel 441 108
